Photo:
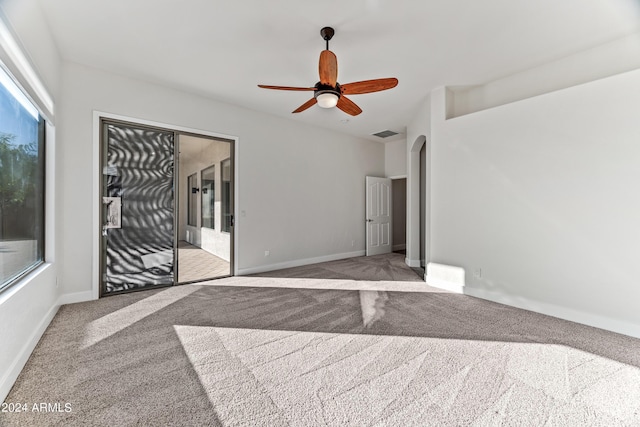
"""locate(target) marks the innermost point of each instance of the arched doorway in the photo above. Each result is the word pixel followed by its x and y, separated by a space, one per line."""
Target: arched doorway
pixel 418 218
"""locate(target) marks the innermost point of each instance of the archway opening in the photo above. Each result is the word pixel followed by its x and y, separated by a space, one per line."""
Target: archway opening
pixel 418 203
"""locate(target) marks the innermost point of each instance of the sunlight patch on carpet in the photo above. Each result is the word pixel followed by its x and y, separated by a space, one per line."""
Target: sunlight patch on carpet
pixel 119 320
pixel 337 284
pixel 318 378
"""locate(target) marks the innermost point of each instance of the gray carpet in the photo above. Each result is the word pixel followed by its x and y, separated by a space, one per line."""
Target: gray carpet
pixel 266 356
pixel 389 267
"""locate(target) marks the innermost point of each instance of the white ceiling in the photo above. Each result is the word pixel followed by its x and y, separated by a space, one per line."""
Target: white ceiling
pixel 223 49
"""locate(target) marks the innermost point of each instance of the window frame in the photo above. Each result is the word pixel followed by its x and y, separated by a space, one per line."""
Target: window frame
pixel 40 197
pixel 226 203
pixel 192 198
pixel 212 198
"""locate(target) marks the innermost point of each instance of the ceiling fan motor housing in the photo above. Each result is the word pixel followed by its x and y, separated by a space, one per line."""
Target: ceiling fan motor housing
pixel 327 96
pixel 320 89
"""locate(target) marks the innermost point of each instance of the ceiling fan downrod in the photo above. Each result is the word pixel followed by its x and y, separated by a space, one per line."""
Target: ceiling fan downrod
pixel 327 33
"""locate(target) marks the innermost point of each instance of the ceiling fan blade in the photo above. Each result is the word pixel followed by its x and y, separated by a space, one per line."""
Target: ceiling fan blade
pixel 286 87
pixel 348 106
pixel 369 86
pixel 328 68
pixel 306 105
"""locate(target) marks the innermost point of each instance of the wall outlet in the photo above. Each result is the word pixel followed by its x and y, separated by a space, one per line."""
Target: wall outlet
pixel 353 243
pixel 477 273
pixel 267 253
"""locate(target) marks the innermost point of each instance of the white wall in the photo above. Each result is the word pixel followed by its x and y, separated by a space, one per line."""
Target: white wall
pixel 541 195
pixel 395 158
pixel 27 307
pixel 607 59
pixel 32 31
pixel 26 310
pixel 300 188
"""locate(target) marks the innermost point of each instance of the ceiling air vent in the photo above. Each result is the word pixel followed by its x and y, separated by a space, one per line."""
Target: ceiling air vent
pixel 385 134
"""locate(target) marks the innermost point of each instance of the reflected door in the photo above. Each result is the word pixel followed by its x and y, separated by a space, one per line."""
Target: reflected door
pixel 137 207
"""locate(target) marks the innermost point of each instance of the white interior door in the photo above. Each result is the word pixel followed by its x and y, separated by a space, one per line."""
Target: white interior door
pixel 378 215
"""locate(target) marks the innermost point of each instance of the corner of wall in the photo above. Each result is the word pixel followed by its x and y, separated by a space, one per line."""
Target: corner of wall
pixel 598 62
pixel 34 302
pixel 597 321
pixel 445 277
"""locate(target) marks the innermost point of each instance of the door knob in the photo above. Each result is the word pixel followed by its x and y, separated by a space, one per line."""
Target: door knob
pixel 369 220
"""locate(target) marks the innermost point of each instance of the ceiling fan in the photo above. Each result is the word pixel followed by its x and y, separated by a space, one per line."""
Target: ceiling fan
pixel 328 93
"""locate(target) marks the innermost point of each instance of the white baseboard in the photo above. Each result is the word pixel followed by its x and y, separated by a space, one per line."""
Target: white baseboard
pixel 18 363
pixel 415 263
pixel 399 247
pixel 447 277
pixel 298 263
pixel 76 297
pixel 597 321
pixel 444 284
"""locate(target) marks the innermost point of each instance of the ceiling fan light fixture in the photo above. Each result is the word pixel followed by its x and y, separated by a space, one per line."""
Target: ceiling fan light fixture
pixel 327 99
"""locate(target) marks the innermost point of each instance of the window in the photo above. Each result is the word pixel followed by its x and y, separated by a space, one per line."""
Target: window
pixel 226 195
pixel 208 197
pixel 21 183
pixel 192 204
